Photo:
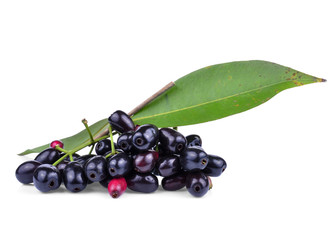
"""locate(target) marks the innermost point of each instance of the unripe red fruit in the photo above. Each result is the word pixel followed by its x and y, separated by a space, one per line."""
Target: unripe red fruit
pixel 58 143
pixel 116 187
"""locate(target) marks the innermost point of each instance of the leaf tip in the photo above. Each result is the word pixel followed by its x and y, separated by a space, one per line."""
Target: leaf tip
pixel 321 80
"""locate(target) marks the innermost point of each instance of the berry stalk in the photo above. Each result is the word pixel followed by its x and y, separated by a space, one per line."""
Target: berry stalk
pixel 76 149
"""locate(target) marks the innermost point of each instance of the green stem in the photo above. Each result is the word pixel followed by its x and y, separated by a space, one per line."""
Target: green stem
pixel 175 128
pixel 76 149
pixel 84 121
pixel 71 157
pixel 111 138
pixel 92 147
pixel 60 149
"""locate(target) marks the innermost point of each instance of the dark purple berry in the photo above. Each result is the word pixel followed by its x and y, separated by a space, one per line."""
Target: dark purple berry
pixel 193 159
pixel 193 141
pixel 145 162
pixel 124 142
pixel 96 168
pixel 121 122
pixel 46 178
pixel 106 181
pixel 216 165
pixel 171 141
pixel 103 146
pixel 145 137
pixel 74 177
pixel 24 172
pixel 60 166
pixel 174 182
pixel 83 159
pixel 119 165
pixel 142 182
pixel 49 156
pixel 197 183
pixel 168 165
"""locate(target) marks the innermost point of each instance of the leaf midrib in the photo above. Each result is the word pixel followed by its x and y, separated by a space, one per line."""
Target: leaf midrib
pixel 212 101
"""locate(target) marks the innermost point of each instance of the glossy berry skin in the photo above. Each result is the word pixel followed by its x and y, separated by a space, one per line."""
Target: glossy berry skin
pixel 117 186
pixel 145 137
pixel 55 143
pixel 119 165
pixel 48 156
pixel 121 122
pixel 142 182
pixel 103 146
pixel 74 177
pixel 193 159
pixel 174 182
pixel 83 159
pixel 197 184
pixel 96 168
pixel 46 177
pixel 60 166
pixel 171 141
pixel 216 165
pixel 193 140
pixel 124 142
pixel 168 165
pixel 106 181
pixel 24 172
pixel 145 162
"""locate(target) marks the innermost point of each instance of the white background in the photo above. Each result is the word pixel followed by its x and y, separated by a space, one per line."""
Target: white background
pixel 61 61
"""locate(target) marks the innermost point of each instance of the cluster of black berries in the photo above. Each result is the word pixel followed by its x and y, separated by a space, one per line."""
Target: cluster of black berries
pixel 140 155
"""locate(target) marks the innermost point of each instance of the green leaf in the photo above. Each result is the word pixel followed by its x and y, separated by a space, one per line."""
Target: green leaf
pixel 219 91
pixel 75 140
pixel 207 94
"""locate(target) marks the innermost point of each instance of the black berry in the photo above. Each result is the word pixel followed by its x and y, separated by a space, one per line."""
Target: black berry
pixel 96 168
pixel 49 156
pixel 124 142
pixel 216 165
pixel 174 182
pixel 193 159
pixel 145 137
pixel 83 159
pixel 197 184
pixel 24 172
pixel 103 146
pixel 168 165
pixel 119 165
pixel 46 177
pixel 106 181
pixel 142 182
pixel 74 177
pixel 171 141
pixel 121 122
pixel 145 162
pixel 193 140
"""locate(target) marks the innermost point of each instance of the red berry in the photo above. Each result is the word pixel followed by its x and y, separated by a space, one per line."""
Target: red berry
pixel 117 186
pixel 58 143
pixel 137 126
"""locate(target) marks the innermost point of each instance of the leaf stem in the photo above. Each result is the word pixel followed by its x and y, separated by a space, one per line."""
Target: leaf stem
pixel 148 100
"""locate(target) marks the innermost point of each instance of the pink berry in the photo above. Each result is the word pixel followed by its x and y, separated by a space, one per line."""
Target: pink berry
pixel 58 143
pixel 117 186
